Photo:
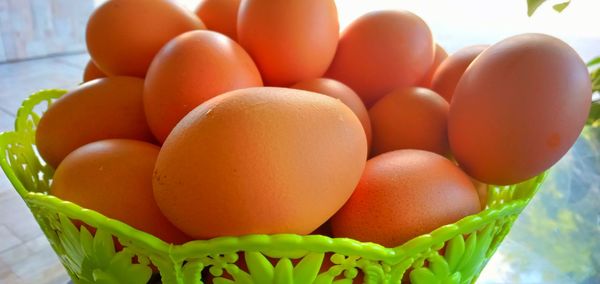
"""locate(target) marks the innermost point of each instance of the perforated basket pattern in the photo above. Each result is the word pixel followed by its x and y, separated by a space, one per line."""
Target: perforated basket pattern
pixel 454 253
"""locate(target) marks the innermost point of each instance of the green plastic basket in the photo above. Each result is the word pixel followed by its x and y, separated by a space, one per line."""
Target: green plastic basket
pixel 454 253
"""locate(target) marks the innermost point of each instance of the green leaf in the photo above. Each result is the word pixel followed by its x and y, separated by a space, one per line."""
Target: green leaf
pixel 241 277
pixel 453 279
pixel 343 281
pixel 191 272
pixel 86 239
pixel 595 61
pixel 104 248
pixel 439 266
pixel 484 239
pixel 470 246
pixel 454 252
pixel 69 240
pixel 259 267
pixel 594 117
pixel 324 278
pixel 423 275
pixel 284 272
pixel 221 280
pixel 533 5
pixel 306 271
pixel 561 6
pixel 121 268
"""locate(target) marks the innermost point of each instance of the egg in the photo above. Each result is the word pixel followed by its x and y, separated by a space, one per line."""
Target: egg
pixel 338 90
pixel 100 109
pixel 122 36
pixel 189 70
pixel 448 74
pixel 482 191
pixel 114 178
pixel 292 40
pixel 91 72
pixel 382 51
pixel 410 118
pixel 404 194
pixel 518 108
pixel 439 57
pixel 220 16
pixel 260 160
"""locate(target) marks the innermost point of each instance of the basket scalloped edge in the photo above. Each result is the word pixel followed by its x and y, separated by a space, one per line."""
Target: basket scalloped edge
pixel 455 253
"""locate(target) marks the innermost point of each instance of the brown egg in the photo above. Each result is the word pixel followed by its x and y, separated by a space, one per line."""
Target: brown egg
pixel 189 70
pixel 482 191
pixel 338 90
pixel 518 108
pixel 440 56
pixel 404 194
pixel 382 51
pixel 448 74
pixel 101 109
pixel 123 36
pixel 114 178
pixel 220 16
pixel 290 41
pixel 410 118
pixel 260 161
pixel 91 72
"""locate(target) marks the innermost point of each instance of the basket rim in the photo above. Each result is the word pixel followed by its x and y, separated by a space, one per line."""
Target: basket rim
pixel 256 242
pixel 273 242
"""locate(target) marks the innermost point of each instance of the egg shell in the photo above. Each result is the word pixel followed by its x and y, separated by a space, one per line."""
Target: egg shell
pixel 219 16
pixel 410 118
pixel 100 109
pixel 290 41
pixel 123 36
pixel 338 90
pixel 448 74
pixel 260 161
pixel 382 51
pixel 518 108
pixel 403 194
pixel 114 178
pixel 439 57
pixel 189 70
pixel 91 72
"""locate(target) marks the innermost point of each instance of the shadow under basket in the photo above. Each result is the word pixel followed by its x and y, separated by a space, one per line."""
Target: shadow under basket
pixel 455 253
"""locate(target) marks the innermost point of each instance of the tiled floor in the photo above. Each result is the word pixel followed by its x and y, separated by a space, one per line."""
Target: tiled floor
pixel 25 255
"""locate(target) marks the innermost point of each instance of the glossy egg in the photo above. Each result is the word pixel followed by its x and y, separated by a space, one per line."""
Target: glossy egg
pixel 220 16
pixel 92 72
pixel 382 51
pixel 260 161
pixel 114 178
pixel 122 36
pixel 291 40
pixel 518 108
pixel 189 70
pixel 403 194
pixel 338 90
pixel 410 118
pixel 97 110
pixel 448 74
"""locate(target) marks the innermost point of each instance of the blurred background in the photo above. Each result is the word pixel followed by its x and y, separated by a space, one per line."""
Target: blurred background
pixel 37 28
pixel 556 240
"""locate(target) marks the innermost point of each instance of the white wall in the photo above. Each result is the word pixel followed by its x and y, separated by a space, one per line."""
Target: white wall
pixel 456 23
